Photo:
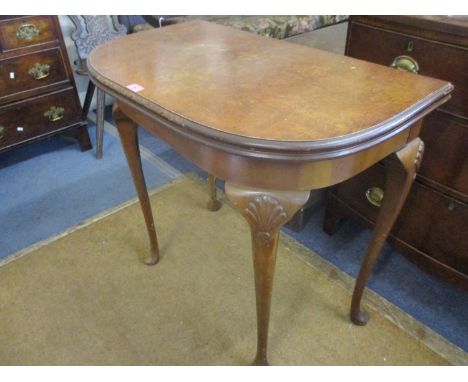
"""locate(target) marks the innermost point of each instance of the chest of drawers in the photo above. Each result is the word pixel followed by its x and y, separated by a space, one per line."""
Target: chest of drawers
pixel 38 94
pixel 432 229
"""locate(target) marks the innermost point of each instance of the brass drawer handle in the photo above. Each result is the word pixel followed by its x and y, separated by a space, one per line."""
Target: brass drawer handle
pixel 39 71
pixel 27 32
pixel 55 113
pixel 406 63
pixel 375 195
pixel 2 132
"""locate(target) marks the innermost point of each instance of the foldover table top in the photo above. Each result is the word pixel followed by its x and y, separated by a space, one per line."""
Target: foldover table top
pixel 230 82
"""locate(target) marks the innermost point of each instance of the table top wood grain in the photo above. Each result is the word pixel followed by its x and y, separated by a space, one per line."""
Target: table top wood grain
pixel 242 84
pixel 236 104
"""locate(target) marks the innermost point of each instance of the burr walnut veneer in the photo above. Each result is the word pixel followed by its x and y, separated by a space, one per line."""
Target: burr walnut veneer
pixel 271 118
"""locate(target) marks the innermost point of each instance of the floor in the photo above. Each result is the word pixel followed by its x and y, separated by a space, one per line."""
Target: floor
pixel 195 307
pixel 50 186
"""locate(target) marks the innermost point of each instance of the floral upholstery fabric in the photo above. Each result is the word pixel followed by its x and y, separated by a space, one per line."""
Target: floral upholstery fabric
pixel 273 26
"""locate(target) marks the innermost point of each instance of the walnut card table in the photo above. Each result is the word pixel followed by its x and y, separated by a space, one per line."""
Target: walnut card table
pixel 274 120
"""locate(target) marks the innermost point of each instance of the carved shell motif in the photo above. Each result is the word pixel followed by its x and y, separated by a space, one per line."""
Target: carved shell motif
pixel 266 215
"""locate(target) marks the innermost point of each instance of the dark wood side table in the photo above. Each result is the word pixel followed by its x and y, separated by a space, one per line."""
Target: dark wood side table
pixel 273 119
pixel 38 94
pixel 430 229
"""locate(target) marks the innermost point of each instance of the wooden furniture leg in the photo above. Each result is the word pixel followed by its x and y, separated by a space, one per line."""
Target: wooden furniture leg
pixel 83 138
pixel 213 204
pixel 333 216
pixel 266 212
pixel 401 169
pixel 100 122
pixel 129 138
pixel 88 98
pixel 80 134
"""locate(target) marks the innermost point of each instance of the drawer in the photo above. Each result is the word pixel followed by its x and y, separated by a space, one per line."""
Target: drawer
pixel 446 151
pixel 25 120
pixel 26 31
pixel 434 59
pixel 435 230
pixel 30 72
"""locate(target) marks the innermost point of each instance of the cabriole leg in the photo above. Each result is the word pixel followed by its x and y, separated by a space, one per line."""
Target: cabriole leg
pixel 401 169
pixel 129 138
pixel 266 212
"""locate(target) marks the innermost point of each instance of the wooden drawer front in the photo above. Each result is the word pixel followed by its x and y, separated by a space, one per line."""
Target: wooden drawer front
pixel 446 151
pixel 31 71
pixel 22 121
pixel 26 31
pixel 437 60
pixel 439 231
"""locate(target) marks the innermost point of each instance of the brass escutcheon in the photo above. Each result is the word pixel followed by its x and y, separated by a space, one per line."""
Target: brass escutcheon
pixel 55 113
pixel 39 71
pixel 406 63
pixel 410 46
pixel 375 195
pixel 27 32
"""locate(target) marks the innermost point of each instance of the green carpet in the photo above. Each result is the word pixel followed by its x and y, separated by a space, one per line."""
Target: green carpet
pixel 87 299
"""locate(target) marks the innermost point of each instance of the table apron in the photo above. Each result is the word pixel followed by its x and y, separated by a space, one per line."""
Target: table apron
pixel 273 174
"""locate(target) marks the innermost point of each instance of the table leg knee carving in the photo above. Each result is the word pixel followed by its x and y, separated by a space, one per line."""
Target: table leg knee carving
pixel 266 212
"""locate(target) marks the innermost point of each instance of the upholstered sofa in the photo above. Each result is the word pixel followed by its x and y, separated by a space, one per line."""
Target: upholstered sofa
pixel 273 26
